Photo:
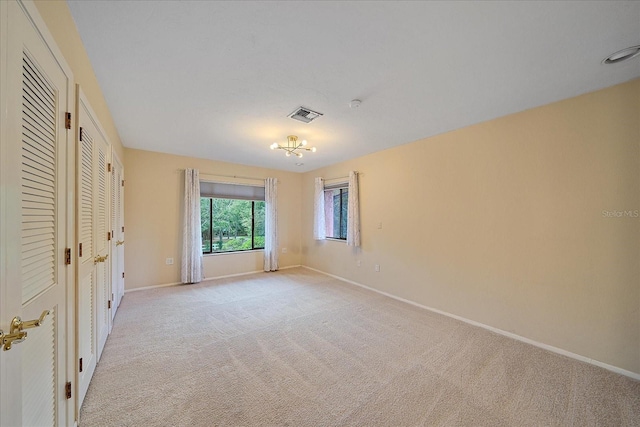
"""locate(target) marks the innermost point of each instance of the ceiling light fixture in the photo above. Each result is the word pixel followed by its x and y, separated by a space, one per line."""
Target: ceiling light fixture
pixel 622 55
pixel 292 146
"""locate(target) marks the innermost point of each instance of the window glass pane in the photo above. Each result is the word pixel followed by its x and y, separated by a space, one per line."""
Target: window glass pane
pixel 231 225
pixel 343 213
pixel 258 230
pixel 335 209
pixel 228 225
pixel 205 219
pixel 336 213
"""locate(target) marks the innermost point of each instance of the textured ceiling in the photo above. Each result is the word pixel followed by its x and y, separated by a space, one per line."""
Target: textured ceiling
pixel 217 80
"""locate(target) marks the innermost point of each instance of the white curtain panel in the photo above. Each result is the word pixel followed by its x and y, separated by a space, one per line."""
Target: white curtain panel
pixel 271 224
pixel 319 229
pixel 191 231
pixel 353 211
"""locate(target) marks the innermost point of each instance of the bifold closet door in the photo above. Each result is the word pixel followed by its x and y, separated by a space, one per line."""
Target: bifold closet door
pixel 117 229
pixel 101 239
pixel 93 311
pixel 36 199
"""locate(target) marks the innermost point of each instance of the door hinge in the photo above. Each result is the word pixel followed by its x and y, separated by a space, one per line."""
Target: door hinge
pixel 67 256
pixel 80 134
pixel 108 167
pixel 67 120
pixel 123 274
pixel 109 304
pixel 123 228
pixel 80 250
pixel 123 182
pixel 67 389
pixel 80 363
pixel 108 235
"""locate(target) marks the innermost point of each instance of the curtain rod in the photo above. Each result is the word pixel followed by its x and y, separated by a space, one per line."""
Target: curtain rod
pixel 229 176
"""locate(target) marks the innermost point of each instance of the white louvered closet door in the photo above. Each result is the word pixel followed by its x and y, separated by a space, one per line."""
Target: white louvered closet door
pixel 93 263
pixel 94 271
pixel 35 165
pixel 117 228
pixel 101 231
pixel 86 284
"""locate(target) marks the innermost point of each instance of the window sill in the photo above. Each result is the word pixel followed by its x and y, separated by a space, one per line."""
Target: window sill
pixel 333 239
pixel 233 253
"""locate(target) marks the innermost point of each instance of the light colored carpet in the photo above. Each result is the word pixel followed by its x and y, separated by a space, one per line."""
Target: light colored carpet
pixel 298 348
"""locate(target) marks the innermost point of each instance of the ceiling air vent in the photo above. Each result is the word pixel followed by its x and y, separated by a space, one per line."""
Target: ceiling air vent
pixel 304 114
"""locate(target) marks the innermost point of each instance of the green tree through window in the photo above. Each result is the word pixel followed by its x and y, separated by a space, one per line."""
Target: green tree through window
pixel 230 225
pixel 336 208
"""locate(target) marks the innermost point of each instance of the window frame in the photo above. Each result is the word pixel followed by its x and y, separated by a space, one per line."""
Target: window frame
pixel 253 225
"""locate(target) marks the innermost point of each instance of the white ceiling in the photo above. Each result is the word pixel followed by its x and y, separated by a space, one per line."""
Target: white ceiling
pixel 217 80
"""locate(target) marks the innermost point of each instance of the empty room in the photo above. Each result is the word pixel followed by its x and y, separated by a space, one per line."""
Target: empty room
pixel 319 213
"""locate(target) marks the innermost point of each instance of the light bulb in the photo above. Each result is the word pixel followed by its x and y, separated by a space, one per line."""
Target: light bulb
pixel 313 149
pixel 304 142
pixel 288 154
pixel 299 154
pixel 273 146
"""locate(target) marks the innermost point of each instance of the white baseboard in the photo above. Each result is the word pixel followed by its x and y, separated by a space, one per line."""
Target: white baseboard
pixel 548 347
pixel 144 288
pixel 206 279
pixel 288 267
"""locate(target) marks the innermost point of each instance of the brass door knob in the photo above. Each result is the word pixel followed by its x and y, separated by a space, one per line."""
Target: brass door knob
pixel 17 334
pixel 8 339
pixel 100 259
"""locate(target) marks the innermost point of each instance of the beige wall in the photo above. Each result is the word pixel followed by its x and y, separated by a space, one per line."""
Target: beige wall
pixel 153 205
pixel 57 17
pixel 502 223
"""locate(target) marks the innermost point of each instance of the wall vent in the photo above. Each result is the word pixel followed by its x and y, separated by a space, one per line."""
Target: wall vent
pixel 304 114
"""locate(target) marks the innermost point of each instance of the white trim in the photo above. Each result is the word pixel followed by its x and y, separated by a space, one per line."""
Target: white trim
pixel 335 239
pixel 226 276
pixel 548 347
pixel 288 267
pixel 32 13
pixel 144 288
pixel 246 251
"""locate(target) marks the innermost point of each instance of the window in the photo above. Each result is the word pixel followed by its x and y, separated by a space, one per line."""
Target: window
pixel 335 210
pixel 232 217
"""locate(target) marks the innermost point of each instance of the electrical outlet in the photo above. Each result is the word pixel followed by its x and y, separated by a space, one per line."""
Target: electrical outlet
pixel 380 225
pixel 359 263
pixel 169 261
pixel 284 250
pixel 378 268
